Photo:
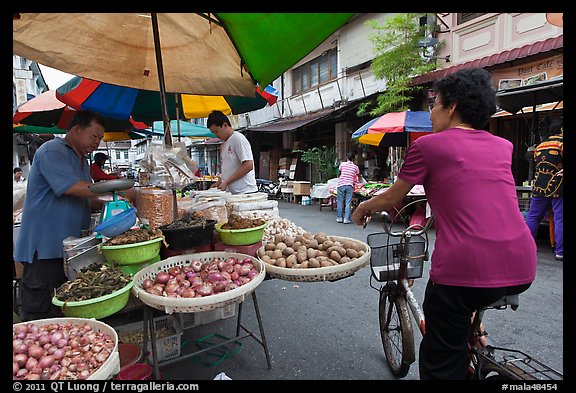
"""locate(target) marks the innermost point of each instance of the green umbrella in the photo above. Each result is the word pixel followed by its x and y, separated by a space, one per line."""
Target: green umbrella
pixel 194 53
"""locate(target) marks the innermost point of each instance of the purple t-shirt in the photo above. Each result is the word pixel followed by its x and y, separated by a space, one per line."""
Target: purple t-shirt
pixel 482 239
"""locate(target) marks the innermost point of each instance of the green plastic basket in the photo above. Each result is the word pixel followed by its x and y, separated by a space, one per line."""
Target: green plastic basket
pixel 241 237
pixel 216 355
pixel 132 269
pixel 134 253
pixel 99 307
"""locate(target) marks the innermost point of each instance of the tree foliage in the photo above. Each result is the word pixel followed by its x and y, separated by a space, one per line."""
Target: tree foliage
pixel 324 161
pixel 397 60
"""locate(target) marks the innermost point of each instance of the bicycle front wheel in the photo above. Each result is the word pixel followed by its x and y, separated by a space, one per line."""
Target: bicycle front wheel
pixel 396 330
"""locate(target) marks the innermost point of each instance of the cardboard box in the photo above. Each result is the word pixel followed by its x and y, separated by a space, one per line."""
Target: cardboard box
pixel 190 320
pixel 302 188
pixel 168 333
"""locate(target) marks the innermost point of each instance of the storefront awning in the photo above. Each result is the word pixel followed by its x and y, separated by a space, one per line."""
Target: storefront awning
pixel 495 59
pixel 529 109
pixel 293 123
pixel 514 99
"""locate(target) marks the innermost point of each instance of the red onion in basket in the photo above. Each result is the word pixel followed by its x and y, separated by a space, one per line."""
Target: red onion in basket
pixel 147 283
pixel 205 289
pixel 188 293
pixel 196 265
pixel 244 270
pixel 220 286
pixel 162 277
pixel 252 273
pixel 174 270
pixel 214 276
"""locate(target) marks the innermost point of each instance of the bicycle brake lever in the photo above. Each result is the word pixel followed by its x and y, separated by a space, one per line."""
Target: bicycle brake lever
pixel 367 219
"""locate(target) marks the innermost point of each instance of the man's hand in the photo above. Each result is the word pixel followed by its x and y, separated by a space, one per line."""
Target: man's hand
pixel 222 186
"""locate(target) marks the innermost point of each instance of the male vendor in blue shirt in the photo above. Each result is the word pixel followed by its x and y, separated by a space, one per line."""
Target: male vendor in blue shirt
pixel 58 205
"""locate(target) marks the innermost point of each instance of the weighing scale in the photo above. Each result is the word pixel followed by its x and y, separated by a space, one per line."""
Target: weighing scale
pixel 116 205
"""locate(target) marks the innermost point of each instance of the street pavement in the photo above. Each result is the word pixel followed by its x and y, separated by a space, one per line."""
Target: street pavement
pixel 330 331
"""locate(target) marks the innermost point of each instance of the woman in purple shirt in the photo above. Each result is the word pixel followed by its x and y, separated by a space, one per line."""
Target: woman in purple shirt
pixel 483 249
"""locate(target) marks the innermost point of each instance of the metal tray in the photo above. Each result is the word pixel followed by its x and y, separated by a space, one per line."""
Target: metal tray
pixel 103 187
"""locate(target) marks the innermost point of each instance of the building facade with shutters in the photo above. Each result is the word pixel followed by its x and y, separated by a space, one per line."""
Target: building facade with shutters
pixel 320 94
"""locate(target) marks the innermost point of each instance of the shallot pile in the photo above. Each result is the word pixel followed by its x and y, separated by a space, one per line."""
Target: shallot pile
pixel 58 351
pixel 198 279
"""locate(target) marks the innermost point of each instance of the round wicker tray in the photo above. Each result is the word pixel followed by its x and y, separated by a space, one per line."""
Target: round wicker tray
pixel 330 273
pixel 111 366
pixel 183 305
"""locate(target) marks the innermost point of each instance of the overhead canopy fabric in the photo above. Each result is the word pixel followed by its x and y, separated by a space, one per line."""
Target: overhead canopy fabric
pixel 186 129
pixel 202 53
pixel 514 99
pixel 121 102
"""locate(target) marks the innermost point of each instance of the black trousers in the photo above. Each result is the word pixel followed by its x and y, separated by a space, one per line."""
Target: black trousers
pixel 39 281
pixel 448 312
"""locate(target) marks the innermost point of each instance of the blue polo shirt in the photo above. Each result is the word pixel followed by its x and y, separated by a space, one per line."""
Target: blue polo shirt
pixel 49 216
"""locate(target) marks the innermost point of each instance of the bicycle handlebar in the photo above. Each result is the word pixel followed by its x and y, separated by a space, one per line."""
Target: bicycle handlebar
pixel 406 232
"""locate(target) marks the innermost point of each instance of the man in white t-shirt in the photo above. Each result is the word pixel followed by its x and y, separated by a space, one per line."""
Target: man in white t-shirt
pixel 237 173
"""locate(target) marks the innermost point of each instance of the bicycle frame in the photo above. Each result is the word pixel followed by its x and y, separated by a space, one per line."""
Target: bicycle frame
pixel 396 297
pixel 402 280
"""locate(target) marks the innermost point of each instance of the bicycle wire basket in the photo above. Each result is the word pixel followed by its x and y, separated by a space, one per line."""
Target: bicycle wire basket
pixel 386 253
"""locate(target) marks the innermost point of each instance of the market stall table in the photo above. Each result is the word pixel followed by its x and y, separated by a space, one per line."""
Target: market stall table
pixel 241 333
pixel 194 305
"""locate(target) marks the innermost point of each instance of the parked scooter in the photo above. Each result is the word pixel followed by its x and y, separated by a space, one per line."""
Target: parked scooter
pixel 273 189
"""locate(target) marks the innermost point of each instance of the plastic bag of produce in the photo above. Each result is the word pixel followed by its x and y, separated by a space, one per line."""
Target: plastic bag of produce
pixel 155 206
pixel 169 166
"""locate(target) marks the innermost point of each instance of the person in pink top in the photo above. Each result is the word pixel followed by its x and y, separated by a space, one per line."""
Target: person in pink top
pixel 483 249
pixel 348 172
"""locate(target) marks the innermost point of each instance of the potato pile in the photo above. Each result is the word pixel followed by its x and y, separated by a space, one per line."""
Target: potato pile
pixel 309 251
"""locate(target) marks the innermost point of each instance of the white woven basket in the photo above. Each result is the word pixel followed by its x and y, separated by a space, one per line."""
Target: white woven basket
pixel 190 305
pixel 111 366
pixel 330 273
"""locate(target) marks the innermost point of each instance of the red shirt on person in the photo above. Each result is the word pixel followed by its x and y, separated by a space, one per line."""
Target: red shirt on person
pixel 98 174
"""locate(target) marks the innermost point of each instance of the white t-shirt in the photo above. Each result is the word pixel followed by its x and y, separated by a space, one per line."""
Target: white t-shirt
pixel 234 151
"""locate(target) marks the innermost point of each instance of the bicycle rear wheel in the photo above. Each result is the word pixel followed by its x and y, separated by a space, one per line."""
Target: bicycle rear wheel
pixel 396 330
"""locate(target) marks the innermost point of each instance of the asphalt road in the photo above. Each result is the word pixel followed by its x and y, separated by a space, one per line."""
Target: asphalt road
pixel 329 330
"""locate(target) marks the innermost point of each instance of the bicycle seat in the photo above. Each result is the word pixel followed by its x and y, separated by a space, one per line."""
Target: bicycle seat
pixel 510 300
pixel 263 181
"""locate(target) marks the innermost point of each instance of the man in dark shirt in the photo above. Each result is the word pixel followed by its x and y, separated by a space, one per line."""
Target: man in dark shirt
pixel 547 191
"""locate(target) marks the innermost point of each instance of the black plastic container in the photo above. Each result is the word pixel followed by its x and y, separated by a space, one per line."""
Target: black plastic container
pixel 185 238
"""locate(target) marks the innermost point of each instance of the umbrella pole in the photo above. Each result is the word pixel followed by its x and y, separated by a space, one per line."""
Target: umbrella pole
pixel 167 130
pixel 177 115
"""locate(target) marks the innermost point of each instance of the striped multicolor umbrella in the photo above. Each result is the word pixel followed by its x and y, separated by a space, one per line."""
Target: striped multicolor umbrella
pixel 144 105
pixel 46 110
pixel 394 129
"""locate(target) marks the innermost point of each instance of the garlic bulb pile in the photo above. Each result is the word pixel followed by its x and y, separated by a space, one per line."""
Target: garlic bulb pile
pixel 278 225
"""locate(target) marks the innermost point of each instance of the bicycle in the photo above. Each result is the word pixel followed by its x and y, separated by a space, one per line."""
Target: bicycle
pixel 273 189
pixel 396 260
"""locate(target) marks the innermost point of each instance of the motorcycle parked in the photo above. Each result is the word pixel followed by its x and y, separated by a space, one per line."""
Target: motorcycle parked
pixel 273 189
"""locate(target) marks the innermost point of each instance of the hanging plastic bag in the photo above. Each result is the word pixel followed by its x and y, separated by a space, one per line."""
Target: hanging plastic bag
pixel 169 166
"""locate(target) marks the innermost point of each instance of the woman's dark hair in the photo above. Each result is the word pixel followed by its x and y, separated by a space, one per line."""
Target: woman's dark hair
pixel 351 156
pixel 549 126
pixel 217 118
pixel 83 118
pixel 472 92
